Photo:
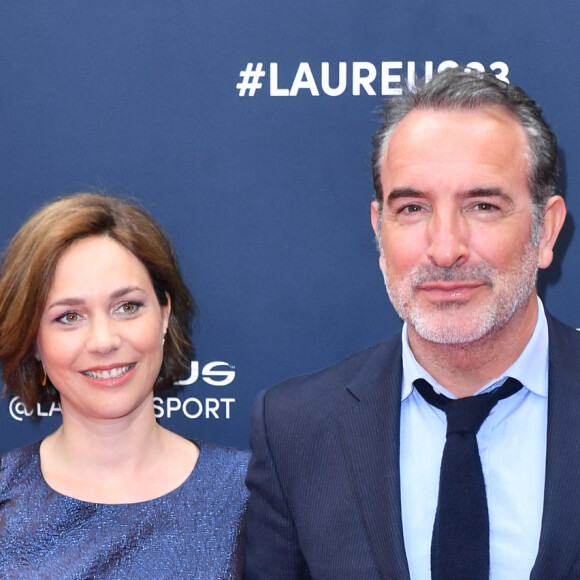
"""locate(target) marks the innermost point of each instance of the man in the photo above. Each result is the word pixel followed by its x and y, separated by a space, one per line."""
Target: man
pixel 346 466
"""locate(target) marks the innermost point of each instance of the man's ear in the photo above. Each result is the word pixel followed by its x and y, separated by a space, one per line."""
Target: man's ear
pixel 554 216
pixel 375 213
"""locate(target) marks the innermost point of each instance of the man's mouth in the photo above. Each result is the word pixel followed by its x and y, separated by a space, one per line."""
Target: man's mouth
pixel 454 286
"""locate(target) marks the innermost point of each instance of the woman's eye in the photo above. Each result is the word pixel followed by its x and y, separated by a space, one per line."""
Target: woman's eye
pixel 69 318
pixel 129 307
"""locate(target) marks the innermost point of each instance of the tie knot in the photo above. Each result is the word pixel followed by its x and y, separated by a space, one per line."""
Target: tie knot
pixel 467 414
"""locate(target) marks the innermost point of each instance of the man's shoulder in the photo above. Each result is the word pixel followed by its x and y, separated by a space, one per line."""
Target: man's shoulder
pixel 358 372
pixel 560 331
pixel 306 406
pixel 564 346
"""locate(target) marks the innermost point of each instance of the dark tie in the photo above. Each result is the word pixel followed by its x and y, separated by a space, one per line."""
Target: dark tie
pixel 460 542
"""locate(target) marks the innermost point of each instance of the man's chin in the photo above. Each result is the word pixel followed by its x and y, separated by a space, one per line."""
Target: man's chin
pixel 450 332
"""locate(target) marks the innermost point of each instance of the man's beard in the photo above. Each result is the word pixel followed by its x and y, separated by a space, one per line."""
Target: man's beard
pixel 444 322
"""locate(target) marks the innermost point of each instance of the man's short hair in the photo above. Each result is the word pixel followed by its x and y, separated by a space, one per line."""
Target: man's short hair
pixel 461 88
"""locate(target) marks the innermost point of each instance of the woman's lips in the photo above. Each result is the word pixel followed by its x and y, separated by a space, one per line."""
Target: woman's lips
pixel 111 375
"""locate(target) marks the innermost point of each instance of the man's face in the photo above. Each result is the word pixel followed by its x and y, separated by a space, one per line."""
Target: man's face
pixel 456 223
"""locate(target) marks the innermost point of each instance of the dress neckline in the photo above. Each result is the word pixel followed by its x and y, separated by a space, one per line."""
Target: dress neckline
pixel 194 475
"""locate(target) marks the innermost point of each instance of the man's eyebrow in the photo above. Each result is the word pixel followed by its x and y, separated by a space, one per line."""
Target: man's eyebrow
pixel 404 192
pixel 489 193
pixel 485 192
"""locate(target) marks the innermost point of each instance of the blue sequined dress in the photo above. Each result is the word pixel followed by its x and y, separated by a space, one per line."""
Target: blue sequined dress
pixel 194 531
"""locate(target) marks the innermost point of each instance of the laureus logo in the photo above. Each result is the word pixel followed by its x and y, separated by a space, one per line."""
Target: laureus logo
pixel 216 373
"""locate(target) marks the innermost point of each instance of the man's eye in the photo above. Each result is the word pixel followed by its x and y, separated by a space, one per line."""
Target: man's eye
pixel 411 208
pixel 484 206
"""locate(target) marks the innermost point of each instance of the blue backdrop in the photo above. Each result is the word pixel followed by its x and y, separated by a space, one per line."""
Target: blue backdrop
pixel 245 128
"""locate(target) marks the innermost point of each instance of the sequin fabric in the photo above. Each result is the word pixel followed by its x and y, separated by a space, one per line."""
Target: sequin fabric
pixel 194 531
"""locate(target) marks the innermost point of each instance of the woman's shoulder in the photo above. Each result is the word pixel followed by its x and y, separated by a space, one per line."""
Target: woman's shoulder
pixel 219 455
pixel 18 465
pixel 19 458
pixel 223 464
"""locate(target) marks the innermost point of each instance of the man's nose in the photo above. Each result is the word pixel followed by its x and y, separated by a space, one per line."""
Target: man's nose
pixel 447 239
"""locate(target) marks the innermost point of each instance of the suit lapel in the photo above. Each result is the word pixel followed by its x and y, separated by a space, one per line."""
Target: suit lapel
pixel 559 541
pixel 369 432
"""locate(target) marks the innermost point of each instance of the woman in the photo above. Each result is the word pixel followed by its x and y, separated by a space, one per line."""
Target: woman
pixel 94 314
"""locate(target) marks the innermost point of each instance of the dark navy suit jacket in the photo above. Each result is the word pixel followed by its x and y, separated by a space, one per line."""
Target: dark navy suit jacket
pixel 324 474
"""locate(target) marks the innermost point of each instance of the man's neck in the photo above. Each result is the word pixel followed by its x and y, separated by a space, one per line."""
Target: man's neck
pixel 465 368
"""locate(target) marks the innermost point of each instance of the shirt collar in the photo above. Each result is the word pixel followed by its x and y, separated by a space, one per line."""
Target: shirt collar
pixel 530 368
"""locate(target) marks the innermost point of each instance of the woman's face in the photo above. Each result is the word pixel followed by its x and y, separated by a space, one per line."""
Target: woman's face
pixel 101 332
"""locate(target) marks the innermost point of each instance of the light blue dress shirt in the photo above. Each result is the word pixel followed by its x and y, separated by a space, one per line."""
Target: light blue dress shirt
pixel 512 446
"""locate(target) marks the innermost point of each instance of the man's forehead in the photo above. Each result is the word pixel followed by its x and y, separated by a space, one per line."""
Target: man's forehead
pixel 432 133
pixel 423 119
pixel 457 150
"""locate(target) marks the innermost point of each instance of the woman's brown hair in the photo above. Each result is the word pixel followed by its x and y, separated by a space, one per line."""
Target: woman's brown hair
pixel 27 272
